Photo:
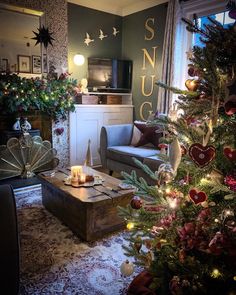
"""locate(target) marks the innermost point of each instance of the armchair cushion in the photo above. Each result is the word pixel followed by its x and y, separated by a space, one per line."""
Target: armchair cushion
pixel 125 154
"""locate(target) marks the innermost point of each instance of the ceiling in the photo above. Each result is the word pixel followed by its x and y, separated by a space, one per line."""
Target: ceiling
pixel 118 7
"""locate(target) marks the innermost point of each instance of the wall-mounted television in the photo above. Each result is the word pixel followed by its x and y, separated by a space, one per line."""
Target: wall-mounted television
pixel 111 75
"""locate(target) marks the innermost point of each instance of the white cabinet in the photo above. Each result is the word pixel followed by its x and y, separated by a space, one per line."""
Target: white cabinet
pixel 86 122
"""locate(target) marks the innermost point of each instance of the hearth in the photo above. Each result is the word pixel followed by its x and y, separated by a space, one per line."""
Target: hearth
pixel 38 120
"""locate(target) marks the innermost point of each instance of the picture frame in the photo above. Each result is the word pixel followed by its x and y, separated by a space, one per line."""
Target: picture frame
pixel 45 64
pixel 36 64
pixel 4 65
pixel 24 63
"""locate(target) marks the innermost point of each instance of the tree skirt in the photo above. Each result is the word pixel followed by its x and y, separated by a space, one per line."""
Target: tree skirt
pixel 55 261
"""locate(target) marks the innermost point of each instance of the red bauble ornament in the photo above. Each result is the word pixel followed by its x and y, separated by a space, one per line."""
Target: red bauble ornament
pixel 197 197
pixel 231 182
pixel 202 155
pixel 191 84
pixel 230 105
pixel 191 71
pixel 230 154
pixel 136 203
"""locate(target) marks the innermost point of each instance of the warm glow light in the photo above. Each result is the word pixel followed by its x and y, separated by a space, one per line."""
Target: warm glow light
pixel 82 178
pixel 215 273
pixel 79 59
pixel 185 138
pixel 204 181
pixel 163 241
pixel 130 225
pixel 167 190
pixel 172 203
pixel 228 213
pixel 75 171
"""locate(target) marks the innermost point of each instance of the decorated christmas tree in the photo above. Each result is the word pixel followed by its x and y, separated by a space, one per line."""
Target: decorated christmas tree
pixel 183 229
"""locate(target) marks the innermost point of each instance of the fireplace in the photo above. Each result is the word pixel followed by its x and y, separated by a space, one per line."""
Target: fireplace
pixel 41 125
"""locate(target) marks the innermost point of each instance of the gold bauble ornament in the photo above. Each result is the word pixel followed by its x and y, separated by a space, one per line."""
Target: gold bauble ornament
pixel 192 84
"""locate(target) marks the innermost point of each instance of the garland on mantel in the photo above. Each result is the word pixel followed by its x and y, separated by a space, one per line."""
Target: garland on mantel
pixel 51 95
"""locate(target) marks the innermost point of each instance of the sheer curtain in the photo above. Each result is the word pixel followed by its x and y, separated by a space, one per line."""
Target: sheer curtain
pixel 169 56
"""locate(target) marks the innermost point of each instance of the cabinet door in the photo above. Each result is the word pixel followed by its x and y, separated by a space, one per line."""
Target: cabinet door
pixel 85 126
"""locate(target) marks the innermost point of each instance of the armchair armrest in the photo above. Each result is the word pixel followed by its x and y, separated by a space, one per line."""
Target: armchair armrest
pixel 114 135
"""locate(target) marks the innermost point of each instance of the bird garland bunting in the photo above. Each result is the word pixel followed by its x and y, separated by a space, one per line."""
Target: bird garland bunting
pixel 101 36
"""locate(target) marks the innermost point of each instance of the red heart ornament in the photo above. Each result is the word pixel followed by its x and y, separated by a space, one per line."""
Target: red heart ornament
pixel 202 155
pixel 197 197
pixel 230 154
pixel 230 105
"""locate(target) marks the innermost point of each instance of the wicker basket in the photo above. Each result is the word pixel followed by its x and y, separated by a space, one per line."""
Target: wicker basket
pixel 89 99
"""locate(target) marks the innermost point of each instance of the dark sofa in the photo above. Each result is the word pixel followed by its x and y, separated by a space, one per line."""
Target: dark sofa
pixel 9 246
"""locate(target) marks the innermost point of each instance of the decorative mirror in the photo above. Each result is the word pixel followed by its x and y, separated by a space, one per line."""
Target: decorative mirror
pixel 18 52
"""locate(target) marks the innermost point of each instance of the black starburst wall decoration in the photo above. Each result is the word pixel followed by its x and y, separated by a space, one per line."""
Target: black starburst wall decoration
pixel 43 37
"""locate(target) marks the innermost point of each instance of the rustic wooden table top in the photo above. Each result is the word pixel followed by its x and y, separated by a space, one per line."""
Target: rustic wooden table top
pixel 108 190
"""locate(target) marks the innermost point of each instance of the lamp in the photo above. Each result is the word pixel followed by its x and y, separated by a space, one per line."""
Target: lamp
pixel 79 59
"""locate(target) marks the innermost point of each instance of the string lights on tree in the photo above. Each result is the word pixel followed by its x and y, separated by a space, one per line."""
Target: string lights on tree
pixel 188 216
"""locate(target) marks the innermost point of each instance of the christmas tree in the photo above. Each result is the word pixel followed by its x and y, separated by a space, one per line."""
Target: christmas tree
pixel 183 229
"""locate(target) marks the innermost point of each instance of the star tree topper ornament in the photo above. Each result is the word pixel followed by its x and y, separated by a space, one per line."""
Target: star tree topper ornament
pixel 43 37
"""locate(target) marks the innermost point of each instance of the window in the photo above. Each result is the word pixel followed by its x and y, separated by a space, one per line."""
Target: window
pixel 221 17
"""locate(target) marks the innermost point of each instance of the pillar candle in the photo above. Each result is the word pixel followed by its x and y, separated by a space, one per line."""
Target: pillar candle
pixel 76 171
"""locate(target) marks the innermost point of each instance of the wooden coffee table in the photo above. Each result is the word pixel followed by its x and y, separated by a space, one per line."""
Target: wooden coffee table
pixel 90 212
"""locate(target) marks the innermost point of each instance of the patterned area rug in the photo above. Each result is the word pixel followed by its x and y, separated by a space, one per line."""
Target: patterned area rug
pixel 55 261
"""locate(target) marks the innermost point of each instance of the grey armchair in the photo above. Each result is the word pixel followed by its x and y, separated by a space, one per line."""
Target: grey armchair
pixel 9 245
pixel 117 153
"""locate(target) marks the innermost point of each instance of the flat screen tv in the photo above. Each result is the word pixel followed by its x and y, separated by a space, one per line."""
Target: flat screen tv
pixel 111 75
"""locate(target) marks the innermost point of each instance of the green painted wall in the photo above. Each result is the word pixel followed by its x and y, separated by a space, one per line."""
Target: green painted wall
pixel 134 32
pixel 82 20
pixel 128 44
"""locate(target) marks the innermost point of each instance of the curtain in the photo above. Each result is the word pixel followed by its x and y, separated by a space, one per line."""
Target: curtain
pixel 164 99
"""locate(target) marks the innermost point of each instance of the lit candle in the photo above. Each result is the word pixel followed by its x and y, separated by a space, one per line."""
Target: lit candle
pixel 75 171
pixel 82 178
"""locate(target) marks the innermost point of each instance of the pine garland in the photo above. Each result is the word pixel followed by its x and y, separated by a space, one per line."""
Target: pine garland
pixel 52 96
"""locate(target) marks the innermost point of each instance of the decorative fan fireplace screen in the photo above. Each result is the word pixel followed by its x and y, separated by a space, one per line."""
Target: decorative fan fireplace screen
pixel 26 156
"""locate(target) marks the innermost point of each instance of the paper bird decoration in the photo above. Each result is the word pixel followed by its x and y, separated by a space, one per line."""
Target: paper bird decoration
pixel 43 37
pixel 87 40
pixel 101 36
pixel 115 32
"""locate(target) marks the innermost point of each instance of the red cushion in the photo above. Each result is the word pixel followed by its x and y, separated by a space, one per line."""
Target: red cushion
pixel 150 134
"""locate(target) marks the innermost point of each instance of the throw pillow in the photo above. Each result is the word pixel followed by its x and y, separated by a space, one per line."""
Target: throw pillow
pixel 136 135
pixel 150 134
